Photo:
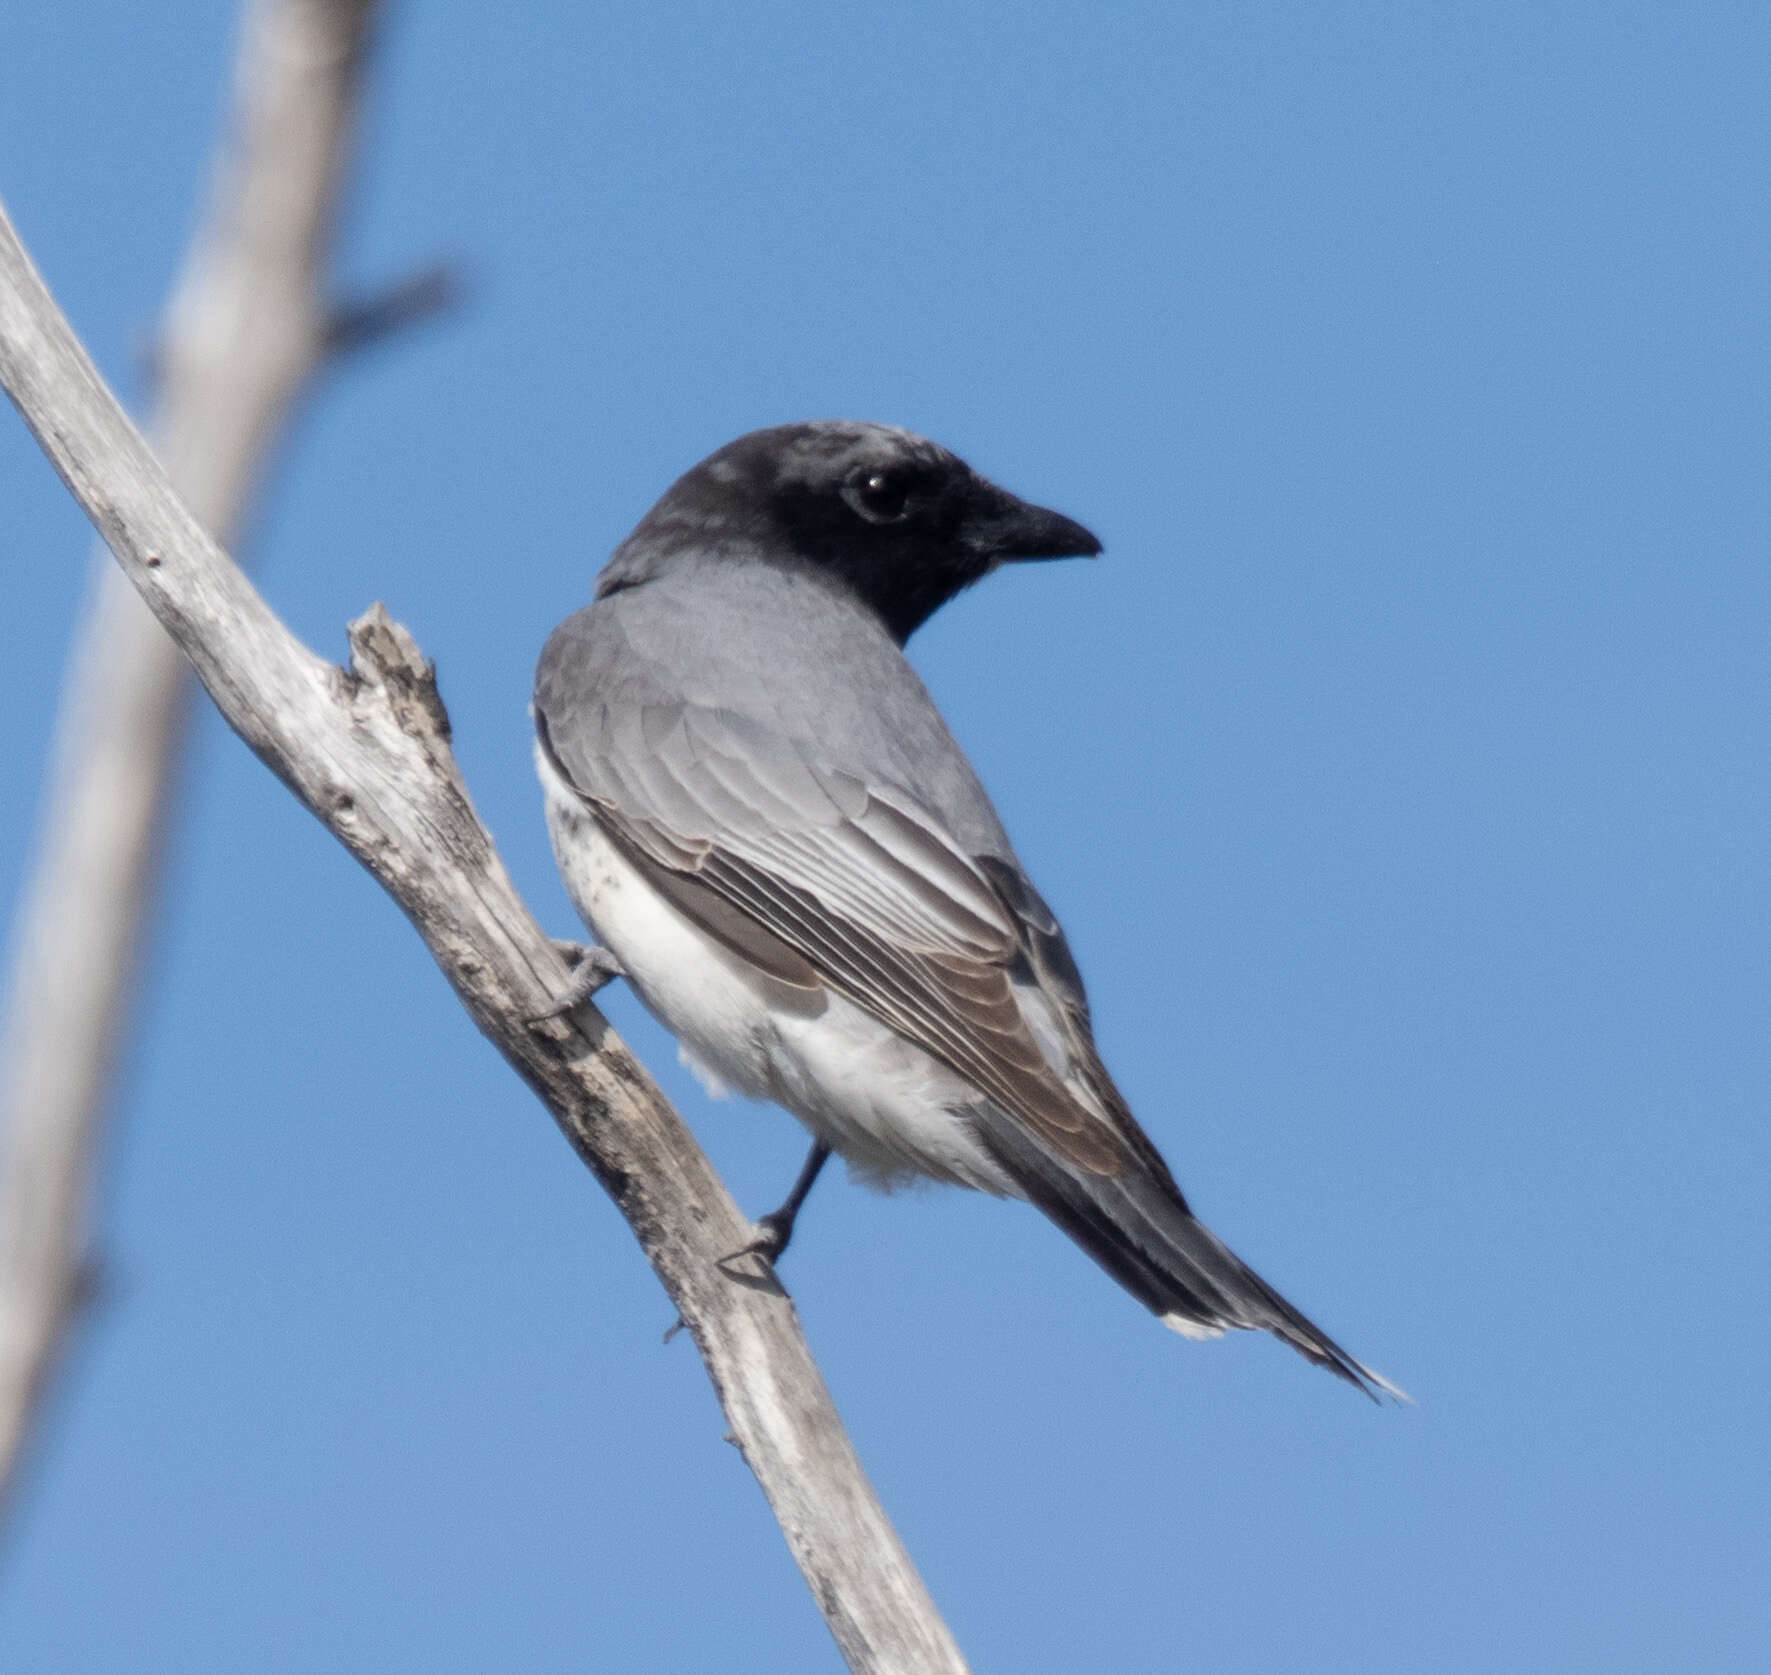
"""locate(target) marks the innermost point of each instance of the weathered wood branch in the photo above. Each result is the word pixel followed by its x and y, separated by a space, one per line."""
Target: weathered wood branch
pixel 250 323
pixel 367 751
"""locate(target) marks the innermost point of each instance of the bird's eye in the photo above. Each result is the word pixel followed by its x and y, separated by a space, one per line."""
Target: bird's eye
pixel 879 496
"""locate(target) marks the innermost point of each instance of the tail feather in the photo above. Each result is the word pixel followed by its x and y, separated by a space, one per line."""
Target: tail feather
pixel 1138 1227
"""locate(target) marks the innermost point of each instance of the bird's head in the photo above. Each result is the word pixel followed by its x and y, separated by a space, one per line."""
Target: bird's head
pixel 901 521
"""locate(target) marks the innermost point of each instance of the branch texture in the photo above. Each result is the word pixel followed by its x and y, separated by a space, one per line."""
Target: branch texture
pixel 366 750
pixel 247 328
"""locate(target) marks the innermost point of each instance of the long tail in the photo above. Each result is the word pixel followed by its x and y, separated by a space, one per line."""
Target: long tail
pixel 1138 1227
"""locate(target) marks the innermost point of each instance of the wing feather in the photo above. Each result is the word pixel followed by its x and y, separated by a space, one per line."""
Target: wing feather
pixel 856 883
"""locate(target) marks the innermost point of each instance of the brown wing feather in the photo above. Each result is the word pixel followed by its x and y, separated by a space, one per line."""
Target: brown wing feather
pixel 960 1009
pixel 815 877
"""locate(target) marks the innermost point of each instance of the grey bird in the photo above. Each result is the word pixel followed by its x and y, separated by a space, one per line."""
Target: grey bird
pixel 760 813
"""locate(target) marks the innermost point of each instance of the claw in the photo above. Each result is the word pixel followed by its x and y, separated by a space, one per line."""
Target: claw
pixel 592 967
pixel 774 1232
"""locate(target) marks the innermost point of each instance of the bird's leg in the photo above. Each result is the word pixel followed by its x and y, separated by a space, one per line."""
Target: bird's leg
pixel 592 966
pixel 775 1230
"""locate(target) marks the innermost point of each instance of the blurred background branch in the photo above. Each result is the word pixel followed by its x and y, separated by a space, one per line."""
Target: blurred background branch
pixel 367 751
pixel 250 325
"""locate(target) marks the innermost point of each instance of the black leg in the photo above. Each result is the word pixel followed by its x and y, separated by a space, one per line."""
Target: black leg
pixel 775 1230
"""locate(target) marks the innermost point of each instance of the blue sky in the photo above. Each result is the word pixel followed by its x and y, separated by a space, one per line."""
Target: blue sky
pixel 1400 775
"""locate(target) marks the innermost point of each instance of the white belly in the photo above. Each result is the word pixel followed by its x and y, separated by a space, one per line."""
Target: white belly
pixel 882 1102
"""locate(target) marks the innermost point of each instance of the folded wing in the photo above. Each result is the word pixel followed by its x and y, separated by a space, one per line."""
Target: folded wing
pixel 740 829
pixel 821 878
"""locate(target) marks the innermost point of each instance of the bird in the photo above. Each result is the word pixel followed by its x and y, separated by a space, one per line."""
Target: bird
pixel 761 815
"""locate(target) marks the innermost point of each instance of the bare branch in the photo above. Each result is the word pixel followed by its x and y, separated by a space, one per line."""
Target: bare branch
pixel 422 295
pixel 248 325
pixel 367 751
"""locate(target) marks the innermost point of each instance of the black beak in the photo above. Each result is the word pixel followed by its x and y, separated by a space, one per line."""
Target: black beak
pixel 1005 530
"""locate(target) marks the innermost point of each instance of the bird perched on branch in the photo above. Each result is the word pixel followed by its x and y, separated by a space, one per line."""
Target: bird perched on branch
pixel 759 811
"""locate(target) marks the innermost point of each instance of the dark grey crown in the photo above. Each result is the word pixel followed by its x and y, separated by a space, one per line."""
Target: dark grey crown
pixel 903 522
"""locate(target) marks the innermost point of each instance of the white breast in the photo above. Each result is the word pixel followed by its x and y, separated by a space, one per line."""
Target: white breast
pixel 879 1100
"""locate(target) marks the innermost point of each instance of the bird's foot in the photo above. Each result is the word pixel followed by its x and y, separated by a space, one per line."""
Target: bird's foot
pixel 592 966
pixel 774 1233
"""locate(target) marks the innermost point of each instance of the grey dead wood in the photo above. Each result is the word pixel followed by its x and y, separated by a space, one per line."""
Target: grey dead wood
pixel 366 749
pixel 249 325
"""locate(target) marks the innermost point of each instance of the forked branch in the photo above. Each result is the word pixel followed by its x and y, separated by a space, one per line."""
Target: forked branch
pixel 367 751
pixel 251 323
